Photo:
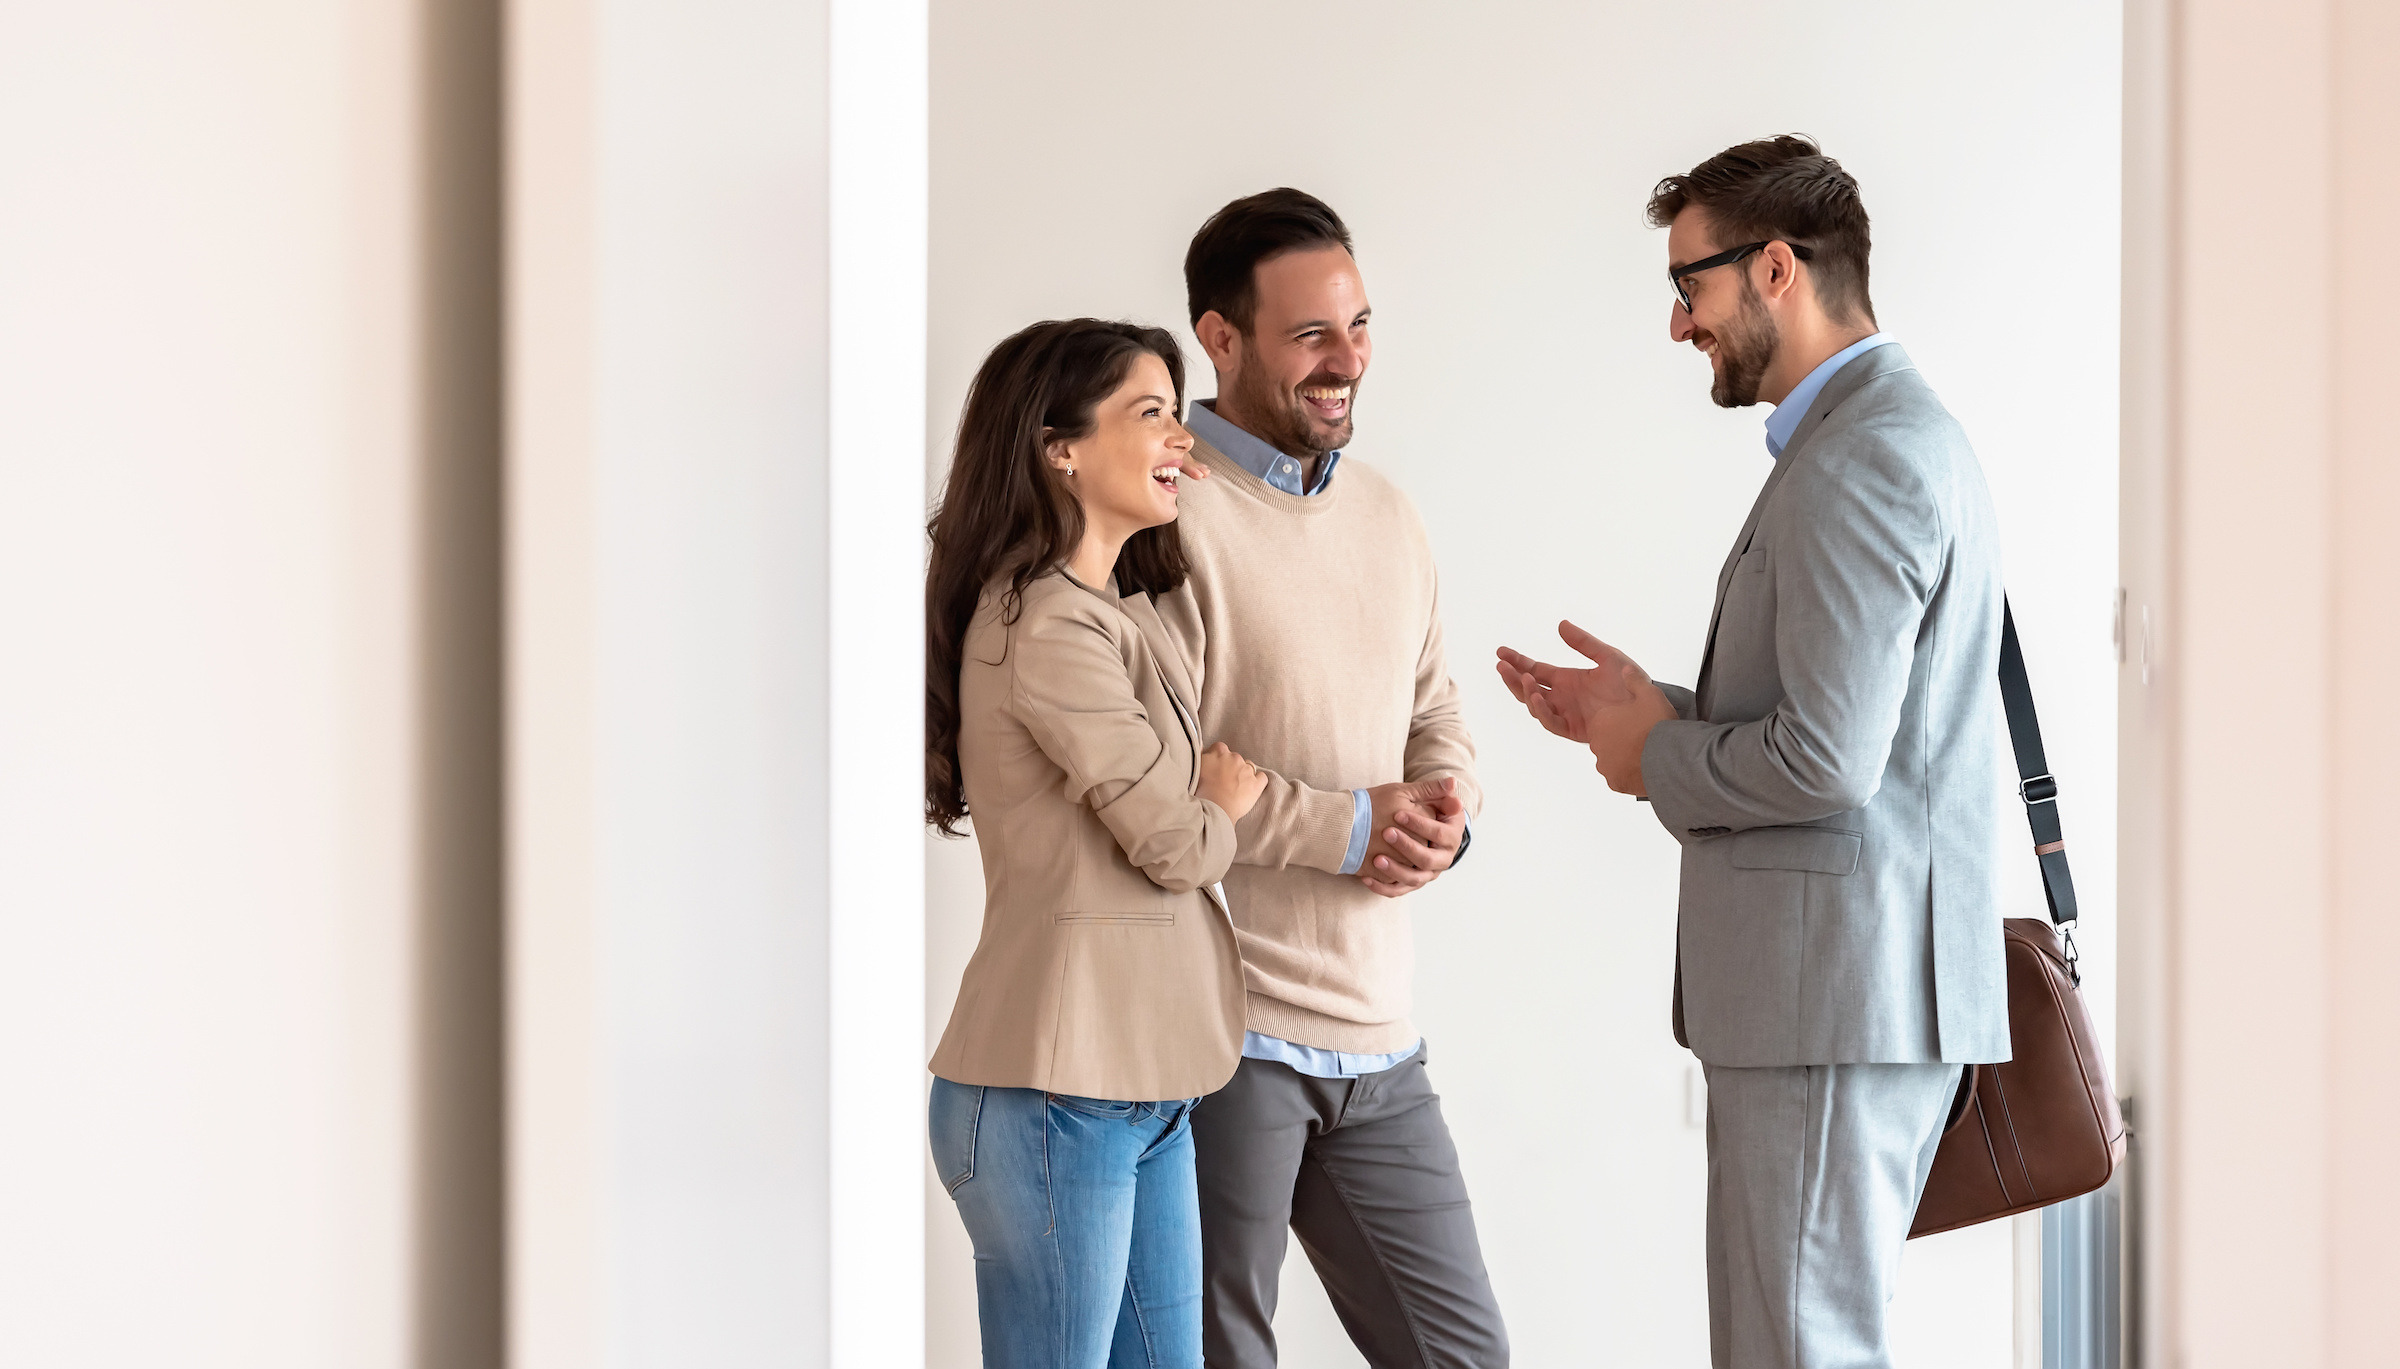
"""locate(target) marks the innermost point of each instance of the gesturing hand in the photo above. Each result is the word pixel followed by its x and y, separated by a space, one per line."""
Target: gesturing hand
pixel 1610 706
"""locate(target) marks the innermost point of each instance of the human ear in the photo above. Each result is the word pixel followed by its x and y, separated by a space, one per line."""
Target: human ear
pixel 1057 454
pixel 1782 270
pixel 1219 338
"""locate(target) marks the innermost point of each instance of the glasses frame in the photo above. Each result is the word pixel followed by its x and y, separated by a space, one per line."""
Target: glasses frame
pixel 1677 274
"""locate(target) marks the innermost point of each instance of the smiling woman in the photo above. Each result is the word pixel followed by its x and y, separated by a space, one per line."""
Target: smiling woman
pixel 1105 995
pixel 1016 508
pixel 1125 467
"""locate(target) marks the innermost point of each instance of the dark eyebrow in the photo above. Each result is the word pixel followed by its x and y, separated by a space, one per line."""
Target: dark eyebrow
pixel 1151 399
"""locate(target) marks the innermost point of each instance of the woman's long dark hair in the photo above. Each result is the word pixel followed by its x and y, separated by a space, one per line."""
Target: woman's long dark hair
pixel 1008 516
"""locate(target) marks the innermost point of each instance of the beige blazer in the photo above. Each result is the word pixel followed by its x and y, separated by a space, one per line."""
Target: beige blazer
pixel 1107 966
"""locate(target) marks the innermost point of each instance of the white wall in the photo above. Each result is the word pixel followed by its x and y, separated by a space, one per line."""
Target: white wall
pixel 1493 164
pixel 714 1002
pixel 247 881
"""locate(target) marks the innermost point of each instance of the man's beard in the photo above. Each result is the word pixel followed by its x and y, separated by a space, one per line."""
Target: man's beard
pixel 1289 426
pixel 1744 350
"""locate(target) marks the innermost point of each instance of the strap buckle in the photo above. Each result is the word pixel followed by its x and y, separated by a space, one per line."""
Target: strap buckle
pixel 2042 788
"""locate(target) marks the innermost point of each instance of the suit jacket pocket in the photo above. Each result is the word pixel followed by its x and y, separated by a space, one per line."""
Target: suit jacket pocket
pixel 1161 917
pixel 1820 850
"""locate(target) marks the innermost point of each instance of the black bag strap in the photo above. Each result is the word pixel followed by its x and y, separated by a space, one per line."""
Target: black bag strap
pixel 2036 786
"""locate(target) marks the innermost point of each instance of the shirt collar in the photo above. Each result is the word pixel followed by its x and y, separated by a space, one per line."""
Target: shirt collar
pixel 1277 469
pixel 1785 421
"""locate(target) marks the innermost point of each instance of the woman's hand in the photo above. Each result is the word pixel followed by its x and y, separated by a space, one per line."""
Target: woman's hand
pixel 1230 782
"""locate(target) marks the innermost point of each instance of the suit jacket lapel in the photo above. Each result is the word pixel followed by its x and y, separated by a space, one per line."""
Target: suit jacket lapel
pixel 1846 382
pixel 1741 543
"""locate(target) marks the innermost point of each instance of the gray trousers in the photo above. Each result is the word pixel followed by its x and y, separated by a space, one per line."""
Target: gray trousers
pixel 1363 1171
pixel 1813 1177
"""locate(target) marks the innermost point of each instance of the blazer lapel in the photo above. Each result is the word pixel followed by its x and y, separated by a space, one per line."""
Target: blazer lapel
pixel 1171 665
pixel 1168 662
pixel 1846 382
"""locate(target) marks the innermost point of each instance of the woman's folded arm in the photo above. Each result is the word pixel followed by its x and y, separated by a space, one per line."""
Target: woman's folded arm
pixel 1071 690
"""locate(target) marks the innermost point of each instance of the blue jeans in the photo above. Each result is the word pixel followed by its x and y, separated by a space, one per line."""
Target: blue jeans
pixel 1086 1222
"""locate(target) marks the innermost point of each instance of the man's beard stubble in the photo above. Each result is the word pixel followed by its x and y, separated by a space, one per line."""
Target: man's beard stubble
pixel 1293 429
pixel 1743 353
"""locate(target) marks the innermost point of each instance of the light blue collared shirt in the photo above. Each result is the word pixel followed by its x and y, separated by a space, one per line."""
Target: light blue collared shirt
pixel 1785 421
pixel 1277 469
pixel 1282 471
pixel 1321 1064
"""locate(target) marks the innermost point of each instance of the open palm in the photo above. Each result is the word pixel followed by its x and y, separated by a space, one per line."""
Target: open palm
pixel 1565 699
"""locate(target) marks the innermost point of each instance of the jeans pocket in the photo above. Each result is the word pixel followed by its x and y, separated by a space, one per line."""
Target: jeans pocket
pixel 952 1115
pixel 1111 1108
pixel 1178 1116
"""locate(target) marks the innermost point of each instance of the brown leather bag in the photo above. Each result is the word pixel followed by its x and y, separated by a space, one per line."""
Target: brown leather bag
pixel 2043 1127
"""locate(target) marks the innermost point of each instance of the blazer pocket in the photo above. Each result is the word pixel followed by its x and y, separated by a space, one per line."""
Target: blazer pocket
pixel 1164 917
pixel 1819 850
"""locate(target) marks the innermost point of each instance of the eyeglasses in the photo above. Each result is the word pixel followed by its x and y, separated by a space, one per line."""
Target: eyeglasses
pixel 1677 275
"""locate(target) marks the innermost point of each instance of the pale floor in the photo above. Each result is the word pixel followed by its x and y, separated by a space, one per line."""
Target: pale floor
pixel 1935 1333
pixel 1310 1337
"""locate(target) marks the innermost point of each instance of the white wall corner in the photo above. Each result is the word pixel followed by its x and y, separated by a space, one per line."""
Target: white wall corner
pixel 876 485
pixel 716 370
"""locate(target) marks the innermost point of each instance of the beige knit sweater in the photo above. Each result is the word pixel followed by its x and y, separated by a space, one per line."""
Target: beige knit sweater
pixel 1312 628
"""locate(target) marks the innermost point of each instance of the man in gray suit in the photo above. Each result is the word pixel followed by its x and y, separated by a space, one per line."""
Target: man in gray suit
pixel 1832 776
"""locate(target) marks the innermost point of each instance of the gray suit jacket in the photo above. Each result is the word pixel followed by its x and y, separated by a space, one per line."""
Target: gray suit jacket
pixel 1833 778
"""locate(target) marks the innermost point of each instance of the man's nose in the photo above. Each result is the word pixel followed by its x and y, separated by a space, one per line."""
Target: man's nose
pixel 1344 359
pixel 1679 322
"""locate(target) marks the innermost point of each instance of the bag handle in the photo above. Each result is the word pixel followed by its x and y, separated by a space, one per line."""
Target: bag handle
pixel 2036 786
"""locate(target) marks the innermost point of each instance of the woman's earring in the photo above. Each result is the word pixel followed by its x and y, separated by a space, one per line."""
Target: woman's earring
pixel 1070 470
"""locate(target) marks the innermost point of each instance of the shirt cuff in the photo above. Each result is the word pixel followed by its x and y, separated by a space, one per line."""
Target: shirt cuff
pixel 1362 817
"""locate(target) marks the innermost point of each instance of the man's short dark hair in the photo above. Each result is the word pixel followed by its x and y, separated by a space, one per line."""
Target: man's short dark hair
pixel 1220 272
pixel 1783 188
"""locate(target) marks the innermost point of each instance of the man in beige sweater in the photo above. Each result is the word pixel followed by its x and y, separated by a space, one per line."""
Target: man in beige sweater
pixel 1311 624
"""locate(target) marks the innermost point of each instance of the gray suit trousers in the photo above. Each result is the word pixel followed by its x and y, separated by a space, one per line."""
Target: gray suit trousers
pixel 1813 1177
pixel 1363 1171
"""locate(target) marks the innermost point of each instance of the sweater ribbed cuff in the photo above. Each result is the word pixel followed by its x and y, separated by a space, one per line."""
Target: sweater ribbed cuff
pixel 1296 825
